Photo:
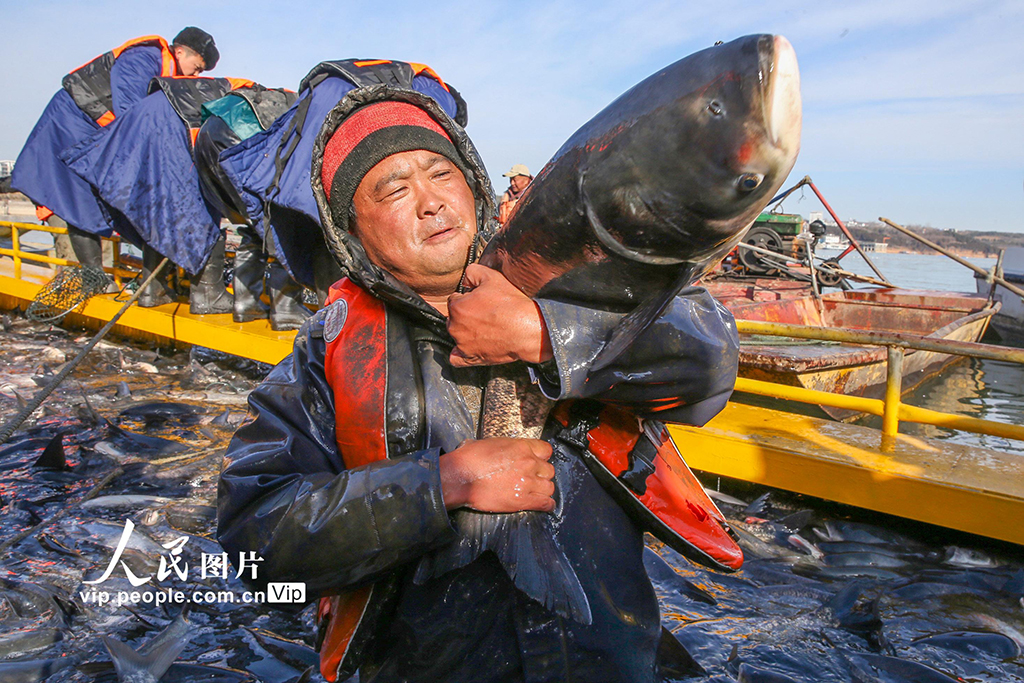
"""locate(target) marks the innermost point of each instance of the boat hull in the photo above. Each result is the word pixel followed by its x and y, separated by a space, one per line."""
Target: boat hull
pixel 850 369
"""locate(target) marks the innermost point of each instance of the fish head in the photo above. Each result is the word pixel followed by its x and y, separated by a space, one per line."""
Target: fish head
pixel 682 180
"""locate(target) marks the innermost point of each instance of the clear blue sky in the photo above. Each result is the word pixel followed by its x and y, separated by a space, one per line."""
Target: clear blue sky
pixel 912 110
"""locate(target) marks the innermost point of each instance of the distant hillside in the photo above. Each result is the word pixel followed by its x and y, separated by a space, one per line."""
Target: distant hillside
pixel 961 242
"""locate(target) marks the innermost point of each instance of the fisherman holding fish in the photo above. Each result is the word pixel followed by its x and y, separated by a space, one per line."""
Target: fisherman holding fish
pixel 362 469
pixel 92 96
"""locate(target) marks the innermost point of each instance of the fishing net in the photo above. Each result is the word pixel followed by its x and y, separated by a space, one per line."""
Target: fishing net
pixel 70 288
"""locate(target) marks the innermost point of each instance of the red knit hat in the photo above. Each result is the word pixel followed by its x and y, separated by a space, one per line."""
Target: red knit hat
pixel 368 136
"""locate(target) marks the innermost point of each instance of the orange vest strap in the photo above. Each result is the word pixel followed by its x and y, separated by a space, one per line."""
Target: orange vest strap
pixel 237 83
pixel 341 615
pixel 142 40
pixel 43 213
pixel 356 370
pixel 167 65
pixel 423 68
pixel 417 69
pixel 106 119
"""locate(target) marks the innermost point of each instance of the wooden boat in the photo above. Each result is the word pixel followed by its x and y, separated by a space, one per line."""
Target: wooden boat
pixel 968 488
pixel 1008 324
pixel 848 369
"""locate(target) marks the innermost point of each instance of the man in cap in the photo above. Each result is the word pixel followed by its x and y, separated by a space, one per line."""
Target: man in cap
pixel 92 96
pixel 360 444
pixel 519 179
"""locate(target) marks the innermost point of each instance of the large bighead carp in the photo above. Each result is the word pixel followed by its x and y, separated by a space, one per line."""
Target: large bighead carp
pixel 662 183
pixel 639 203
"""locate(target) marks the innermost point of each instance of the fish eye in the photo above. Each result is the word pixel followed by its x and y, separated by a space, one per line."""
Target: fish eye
pixel 749 181
pixel 715 108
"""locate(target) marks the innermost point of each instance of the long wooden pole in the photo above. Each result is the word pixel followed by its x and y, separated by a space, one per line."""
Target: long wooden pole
pixel 945 252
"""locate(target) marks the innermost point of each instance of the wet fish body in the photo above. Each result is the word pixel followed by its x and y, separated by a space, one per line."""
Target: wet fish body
pixel 971 643
pixel 35 670
pixel 20 643
pixel 749 674
pixel 634 207
pixel 868 668
pixel 125 501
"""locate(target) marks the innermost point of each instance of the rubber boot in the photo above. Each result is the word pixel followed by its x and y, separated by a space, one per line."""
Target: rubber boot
pixel 88 248
pixel 250 266
pixel 207 294
pixel 158 292
pixel 287 311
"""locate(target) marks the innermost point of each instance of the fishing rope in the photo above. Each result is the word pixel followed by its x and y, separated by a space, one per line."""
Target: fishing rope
pixel 23 414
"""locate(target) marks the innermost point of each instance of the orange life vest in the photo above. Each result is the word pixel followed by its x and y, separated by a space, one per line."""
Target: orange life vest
pixel 356 369
pixel 642 470
pixel 187 94
pixel 89 84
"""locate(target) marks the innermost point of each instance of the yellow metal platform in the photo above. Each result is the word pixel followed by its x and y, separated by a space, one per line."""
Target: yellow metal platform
pixel 973 489
pixel 170 322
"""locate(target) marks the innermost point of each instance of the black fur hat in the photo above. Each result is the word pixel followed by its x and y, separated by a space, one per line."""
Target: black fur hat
pixel 200 41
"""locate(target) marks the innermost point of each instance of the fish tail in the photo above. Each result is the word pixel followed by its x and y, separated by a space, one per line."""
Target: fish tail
pixel 131 665
pixel 526 548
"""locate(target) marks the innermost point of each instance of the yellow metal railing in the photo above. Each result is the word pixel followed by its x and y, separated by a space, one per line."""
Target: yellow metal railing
pixel 892 410
pixel 19 255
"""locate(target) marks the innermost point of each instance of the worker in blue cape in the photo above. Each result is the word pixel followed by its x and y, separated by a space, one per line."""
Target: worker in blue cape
pixel 92 97
pixel 142 169
pixel 269 174
pixel 226 122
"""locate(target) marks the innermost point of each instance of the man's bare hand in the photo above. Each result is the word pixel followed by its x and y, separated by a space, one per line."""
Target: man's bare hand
pixel 499 475
pixel 495 323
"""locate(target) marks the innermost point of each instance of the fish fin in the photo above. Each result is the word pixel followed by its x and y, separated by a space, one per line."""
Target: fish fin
pixel 630 327
pixel 674 660
pixel 21 401
pixel 305 676
pixel 526 548
pixel 90 411
pixel 53 455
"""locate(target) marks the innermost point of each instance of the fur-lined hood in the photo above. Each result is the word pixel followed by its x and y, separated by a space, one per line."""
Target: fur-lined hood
pixel 346 247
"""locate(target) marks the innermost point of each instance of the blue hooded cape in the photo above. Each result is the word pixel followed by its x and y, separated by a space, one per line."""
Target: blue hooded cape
pixel 293 216
pixel 39 172
pixel 141 166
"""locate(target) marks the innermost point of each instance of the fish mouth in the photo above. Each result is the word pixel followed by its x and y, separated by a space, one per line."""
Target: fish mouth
pixel 780 83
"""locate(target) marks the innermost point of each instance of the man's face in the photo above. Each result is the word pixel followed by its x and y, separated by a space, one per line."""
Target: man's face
pixel 190 62
pixel 416 219
pixel 519 182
